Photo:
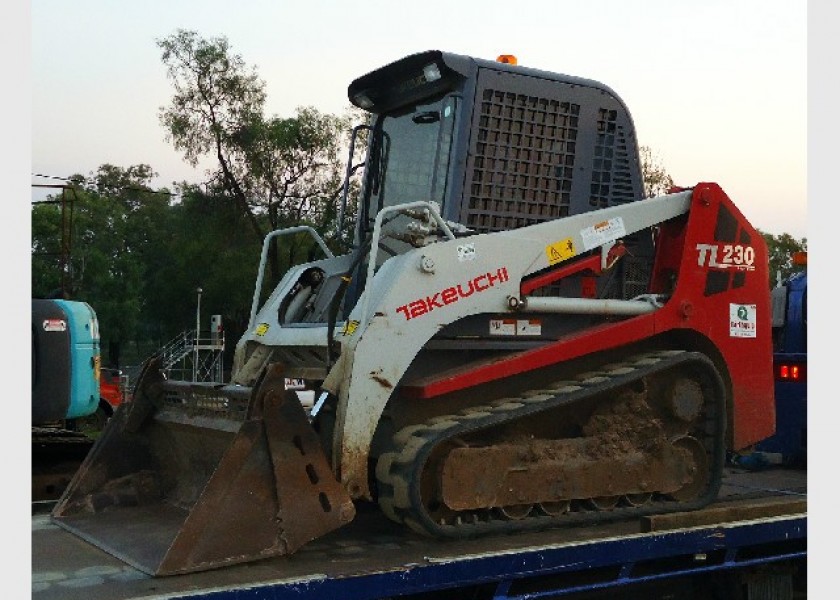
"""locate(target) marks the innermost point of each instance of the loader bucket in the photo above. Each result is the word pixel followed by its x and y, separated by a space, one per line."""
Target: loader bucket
pixel 189 477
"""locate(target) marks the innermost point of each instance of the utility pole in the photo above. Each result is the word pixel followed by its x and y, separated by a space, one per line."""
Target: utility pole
pixel 65 250
pixel 197 330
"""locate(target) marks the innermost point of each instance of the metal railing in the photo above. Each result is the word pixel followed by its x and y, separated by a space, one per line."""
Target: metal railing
pixel 189 357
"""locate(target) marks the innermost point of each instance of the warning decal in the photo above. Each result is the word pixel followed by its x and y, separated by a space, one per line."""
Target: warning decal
pixel 528 327
pixel 560 251
pixel 502 326
pixel 261 329
pixel 603 233
pixel 516 327
pixel 742 320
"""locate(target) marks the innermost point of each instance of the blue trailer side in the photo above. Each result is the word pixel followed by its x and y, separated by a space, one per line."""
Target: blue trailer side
pixel 790 367
pixel 695 558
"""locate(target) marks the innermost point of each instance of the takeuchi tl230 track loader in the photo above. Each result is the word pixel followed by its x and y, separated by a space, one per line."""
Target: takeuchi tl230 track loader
pixel 518 339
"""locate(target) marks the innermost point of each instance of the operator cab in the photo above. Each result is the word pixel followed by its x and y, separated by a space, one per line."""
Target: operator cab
pixel 496 147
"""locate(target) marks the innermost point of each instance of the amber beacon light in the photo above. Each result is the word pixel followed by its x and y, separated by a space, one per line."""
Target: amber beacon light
pixel 508 59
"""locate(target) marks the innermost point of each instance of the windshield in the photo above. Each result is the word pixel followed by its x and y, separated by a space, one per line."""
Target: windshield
pixel 408 158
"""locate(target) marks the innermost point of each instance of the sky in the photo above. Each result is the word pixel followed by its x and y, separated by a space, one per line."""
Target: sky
pixel 717 89
pixel 738 92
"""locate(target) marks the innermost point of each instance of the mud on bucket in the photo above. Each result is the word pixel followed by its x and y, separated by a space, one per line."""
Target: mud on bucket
pixel 189 477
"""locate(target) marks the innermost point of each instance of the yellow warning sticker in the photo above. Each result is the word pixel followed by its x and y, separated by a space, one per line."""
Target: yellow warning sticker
pixel 349 327
pixel 261 328
pixel 560 251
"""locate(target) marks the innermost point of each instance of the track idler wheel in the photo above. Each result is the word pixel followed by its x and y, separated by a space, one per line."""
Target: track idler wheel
pixel 698 468
pixel 604 502
pixel 637 499
pixel 555 509
pixel 516 512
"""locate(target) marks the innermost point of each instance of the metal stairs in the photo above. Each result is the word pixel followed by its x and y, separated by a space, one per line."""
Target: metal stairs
pixel 189 357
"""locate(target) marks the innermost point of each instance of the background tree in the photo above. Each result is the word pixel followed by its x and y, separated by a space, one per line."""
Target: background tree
pixel 294 173
pixel 209 246
pixel 46 250
pixel 117 221
pixel 294 164
pixel 215 94
pixel 277 171
pixel 781 249
pixel 656 179
pixel 138 256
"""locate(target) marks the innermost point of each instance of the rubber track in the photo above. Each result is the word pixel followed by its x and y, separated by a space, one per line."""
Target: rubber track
pixel 398 472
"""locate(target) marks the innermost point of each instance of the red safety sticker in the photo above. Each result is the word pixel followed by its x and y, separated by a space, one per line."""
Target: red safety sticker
pixel 55 325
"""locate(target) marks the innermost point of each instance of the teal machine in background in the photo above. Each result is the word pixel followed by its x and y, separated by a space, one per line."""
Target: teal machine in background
pixel 65 361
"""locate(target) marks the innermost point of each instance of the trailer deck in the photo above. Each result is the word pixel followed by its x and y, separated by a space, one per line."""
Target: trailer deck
pixel 760 518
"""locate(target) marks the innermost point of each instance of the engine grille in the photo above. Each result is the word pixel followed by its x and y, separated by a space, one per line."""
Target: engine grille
pixel 524 162
pixel 611 176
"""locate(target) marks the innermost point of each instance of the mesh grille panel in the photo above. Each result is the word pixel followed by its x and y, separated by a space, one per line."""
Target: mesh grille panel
pixel 636 277
pixel 206 402
pixel 611 179
pixel 630 280
pixel 524 161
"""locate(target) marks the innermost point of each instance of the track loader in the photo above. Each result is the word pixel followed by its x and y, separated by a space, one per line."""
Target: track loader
pixel 517 339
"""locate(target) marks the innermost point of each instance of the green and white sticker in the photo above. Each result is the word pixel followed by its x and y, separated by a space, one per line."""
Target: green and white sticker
pixel 742 320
